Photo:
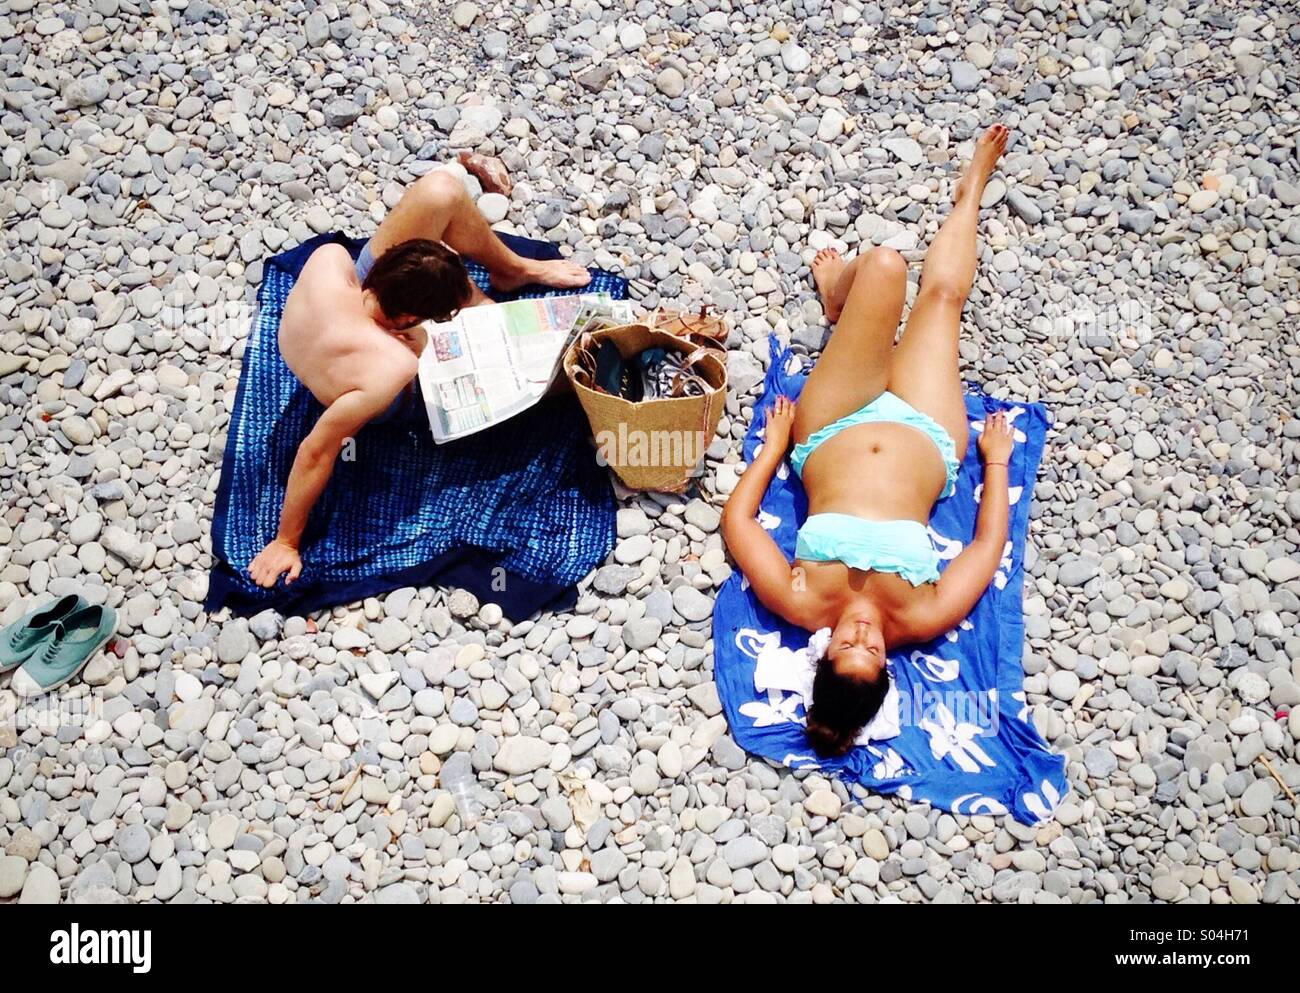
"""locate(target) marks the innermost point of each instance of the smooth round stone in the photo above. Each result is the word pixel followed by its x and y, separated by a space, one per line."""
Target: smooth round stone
pixel 187 687
pixel 1257 800
pixel 1166 887
pixel 794 58
pixel 785 857
pixel 13 873
pixel 823 803
pixel 644 779
pixel 670 82
pixel 669 758
pixel 223 831
pixel 1063 685
pixel 494 207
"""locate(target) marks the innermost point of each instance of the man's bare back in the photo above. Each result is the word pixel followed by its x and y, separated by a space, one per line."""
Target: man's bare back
pixel 332 344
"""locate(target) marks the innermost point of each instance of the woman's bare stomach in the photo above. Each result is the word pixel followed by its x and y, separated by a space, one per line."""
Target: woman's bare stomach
pixel 882 471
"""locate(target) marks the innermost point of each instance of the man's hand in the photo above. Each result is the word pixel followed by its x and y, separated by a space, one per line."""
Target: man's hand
pixel 997 440
pixel 415 338
pixel 276 558
pixel 780 419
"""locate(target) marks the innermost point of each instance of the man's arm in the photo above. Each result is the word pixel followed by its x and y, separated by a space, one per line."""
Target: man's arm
pixel 311 470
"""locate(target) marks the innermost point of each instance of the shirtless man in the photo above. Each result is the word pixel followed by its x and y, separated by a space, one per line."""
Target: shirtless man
pixel 352 333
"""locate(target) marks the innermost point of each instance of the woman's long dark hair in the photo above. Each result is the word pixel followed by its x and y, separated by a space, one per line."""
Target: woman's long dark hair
pixel 841 707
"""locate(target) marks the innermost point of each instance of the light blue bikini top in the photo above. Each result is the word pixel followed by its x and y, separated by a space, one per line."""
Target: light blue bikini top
pixel 900 547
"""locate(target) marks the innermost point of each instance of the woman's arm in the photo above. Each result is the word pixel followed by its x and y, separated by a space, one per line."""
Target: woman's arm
pixel 755 552
pixel 311 470
pixel 969 574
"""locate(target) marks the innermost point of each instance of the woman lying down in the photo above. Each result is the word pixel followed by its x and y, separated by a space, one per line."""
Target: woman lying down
pixel 879 432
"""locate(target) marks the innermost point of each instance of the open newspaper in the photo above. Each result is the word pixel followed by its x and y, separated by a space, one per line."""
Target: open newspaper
pixel 494 361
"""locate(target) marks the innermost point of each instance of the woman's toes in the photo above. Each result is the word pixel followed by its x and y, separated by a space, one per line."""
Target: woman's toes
pixel 825 255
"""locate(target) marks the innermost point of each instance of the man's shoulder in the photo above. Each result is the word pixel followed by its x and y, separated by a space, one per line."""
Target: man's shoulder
pixel 327 277
pixel 328 257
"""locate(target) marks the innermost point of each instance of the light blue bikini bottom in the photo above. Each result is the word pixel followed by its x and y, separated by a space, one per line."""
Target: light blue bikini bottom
pixel 365 262
pixel 889 408
pixel 901 547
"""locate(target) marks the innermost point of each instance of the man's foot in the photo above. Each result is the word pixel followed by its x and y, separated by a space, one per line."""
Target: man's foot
pixel 827 267
pixel 490 172
pixel 559 273
pixel 990 146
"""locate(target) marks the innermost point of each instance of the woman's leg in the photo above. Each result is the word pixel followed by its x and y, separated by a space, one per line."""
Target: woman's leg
pixel 854 366
pixel 925 364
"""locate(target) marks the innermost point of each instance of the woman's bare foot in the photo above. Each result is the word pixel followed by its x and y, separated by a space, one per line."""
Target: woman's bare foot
pixel 990 146
pixel 559 273
pixel 827 266
pixel 490 172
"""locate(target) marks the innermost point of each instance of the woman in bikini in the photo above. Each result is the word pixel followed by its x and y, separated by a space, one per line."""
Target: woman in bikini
pixel 879 432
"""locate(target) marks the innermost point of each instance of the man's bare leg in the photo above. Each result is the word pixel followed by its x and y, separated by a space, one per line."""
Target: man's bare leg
pixel 437 207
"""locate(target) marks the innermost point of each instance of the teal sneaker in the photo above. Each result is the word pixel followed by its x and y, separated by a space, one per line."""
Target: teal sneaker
pixel 77 638
pixel 24 637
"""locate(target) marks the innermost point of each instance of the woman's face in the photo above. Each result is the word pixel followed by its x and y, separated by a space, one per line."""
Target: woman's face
pixel 857 648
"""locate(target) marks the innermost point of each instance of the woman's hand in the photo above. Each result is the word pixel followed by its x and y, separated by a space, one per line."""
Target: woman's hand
pixel 780 419
pixel 997 439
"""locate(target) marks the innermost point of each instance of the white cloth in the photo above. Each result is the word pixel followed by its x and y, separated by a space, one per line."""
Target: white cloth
pixel 780 668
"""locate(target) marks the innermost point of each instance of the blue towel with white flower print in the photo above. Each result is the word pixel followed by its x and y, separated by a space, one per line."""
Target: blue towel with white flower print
pixel 965 741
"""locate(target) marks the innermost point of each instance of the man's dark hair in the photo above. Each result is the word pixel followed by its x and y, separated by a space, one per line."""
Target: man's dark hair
pixel 419 278
pixel 841 707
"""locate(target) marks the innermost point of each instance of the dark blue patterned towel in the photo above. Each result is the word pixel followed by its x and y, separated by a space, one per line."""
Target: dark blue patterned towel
pixel 516 514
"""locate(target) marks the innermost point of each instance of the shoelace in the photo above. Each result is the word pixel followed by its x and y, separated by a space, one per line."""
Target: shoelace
pixel 11 639
pixel 46 654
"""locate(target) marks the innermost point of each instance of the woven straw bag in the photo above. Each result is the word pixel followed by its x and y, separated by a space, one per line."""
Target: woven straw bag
pixel 655 444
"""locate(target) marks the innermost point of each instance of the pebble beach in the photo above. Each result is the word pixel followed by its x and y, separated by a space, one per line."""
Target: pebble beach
pixel 1139 276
